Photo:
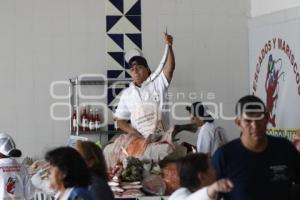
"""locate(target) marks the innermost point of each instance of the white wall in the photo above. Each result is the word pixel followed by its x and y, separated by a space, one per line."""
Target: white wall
pixel 262 7
pixel 42 42
pixel 51 40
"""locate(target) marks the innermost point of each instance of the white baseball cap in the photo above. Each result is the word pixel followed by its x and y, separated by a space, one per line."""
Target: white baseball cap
pixel 8 146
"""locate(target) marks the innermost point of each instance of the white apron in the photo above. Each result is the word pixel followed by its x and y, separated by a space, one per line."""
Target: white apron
pixel 147 118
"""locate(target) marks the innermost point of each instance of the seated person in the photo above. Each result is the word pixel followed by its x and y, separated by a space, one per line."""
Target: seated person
pixel 198 179
pixel 259 165
pixel 210 135
pixel 14 178
pixel 142 103
pixel 296 187
pixel 68 174
pixel 296 140
pixel 94 159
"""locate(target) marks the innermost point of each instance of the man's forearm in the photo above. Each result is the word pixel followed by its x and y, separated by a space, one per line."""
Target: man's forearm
pixel 169 65
pixel 187 127
pixel 124 126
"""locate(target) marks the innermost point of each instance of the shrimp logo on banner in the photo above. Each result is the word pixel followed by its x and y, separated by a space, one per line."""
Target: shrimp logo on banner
pixel 274 72
pixel 276 80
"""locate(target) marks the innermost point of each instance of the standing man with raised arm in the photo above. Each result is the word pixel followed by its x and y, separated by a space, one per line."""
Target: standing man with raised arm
pixel 138 99
pixel 144 103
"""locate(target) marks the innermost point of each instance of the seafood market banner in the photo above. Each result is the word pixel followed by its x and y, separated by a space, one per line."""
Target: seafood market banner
pixel 274 67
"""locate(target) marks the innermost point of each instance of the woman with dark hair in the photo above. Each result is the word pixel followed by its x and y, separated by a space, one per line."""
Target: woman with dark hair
pixel 198 179
pixel 68 174
pixel 95 161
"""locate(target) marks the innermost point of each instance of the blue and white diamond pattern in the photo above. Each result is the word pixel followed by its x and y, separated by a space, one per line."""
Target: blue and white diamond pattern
pixel 124 32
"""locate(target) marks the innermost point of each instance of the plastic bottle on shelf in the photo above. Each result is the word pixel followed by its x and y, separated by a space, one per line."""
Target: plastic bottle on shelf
pixel 74 119
pixel 91 120
pixel 84 120
pixel 98 120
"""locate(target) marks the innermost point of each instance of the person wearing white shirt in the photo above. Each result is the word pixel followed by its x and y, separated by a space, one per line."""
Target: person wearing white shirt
pixel 134 99
pixel 198 179
pixel 15 181
pixel 68 174
pixel 144 104
pixel 210 135
pixel 140 101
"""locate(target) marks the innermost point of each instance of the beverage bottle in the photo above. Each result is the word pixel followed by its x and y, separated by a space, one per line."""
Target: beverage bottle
pixel 91 120
pixel 84 120
pixel 97 120
pixel 74 119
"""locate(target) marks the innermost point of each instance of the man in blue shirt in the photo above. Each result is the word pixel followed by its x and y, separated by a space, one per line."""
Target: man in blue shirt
pixel 261 167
